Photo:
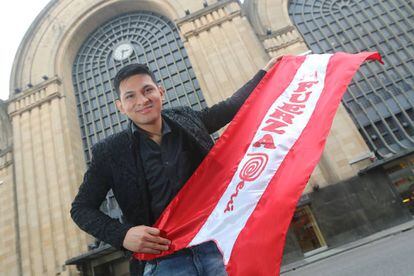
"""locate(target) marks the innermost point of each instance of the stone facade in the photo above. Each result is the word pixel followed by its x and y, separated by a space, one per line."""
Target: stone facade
pixel 9 236
pixel 226 43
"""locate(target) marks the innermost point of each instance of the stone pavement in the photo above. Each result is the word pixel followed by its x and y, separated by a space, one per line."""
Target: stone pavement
pixel 349 246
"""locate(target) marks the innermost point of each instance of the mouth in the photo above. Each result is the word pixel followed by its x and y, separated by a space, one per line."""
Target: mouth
pixel 144 109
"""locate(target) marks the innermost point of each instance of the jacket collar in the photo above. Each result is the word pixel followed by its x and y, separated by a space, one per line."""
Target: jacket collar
pixel 191 127
pixel 186 123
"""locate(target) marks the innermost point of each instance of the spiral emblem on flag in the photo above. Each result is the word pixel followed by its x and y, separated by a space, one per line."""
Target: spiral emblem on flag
pixel 254 166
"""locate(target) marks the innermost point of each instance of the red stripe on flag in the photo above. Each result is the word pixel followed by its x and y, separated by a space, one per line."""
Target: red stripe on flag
pixel 189 210
pixel 259 247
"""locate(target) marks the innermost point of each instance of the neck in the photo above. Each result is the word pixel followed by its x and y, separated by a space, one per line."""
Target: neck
pixel 152 129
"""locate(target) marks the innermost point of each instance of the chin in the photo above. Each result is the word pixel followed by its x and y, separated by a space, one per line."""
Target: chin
pixel 145 121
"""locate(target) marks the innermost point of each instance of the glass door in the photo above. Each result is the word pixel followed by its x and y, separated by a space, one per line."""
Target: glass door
pixel 307 232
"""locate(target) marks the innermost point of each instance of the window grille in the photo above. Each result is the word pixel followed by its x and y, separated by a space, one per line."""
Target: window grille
pixel 380 99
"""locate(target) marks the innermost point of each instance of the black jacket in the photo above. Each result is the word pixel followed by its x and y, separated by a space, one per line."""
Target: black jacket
pixel 115 166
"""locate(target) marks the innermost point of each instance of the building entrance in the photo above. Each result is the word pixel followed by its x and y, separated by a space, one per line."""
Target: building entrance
pixel 401 174
pixel 307 232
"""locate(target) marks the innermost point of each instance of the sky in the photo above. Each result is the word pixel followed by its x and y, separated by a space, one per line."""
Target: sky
pixel 15 20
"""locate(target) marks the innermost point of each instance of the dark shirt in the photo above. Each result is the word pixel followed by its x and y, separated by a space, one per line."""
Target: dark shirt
pixel 167 166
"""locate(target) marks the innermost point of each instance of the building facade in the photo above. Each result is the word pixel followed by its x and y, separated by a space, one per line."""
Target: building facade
pixel 61 103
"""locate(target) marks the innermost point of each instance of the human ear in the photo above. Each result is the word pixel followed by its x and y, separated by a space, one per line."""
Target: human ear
pixel 120 107
pixel 162 91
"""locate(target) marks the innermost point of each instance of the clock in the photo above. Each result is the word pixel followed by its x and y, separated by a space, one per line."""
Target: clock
pixel 123 51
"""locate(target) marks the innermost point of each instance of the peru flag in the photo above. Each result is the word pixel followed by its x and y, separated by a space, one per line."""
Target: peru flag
pixel 245 192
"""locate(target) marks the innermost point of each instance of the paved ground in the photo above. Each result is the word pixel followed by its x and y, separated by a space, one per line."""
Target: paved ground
pixel 391 255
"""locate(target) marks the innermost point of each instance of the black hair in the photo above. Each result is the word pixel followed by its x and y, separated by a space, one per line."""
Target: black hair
pixel 130 70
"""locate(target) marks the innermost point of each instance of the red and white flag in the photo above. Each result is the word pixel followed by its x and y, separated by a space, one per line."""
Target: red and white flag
pixel 244 193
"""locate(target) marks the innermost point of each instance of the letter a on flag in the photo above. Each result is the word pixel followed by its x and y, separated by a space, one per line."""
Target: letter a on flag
pixel 244 193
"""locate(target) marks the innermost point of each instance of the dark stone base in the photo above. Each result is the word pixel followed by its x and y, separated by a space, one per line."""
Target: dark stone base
pixel 351 210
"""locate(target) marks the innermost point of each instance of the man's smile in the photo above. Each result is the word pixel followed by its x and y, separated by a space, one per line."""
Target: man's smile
pixel 145 109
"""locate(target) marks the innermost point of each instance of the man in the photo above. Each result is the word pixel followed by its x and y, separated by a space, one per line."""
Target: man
pixel 146 165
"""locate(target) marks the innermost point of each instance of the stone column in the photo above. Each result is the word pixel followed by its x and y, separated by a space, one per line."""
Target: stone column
pixel 47 176
pixel 222 47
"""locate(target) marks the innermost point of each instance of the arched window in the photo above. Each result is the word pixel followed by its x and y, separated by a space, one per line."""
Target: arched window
pixel 381 97
pixel 143 37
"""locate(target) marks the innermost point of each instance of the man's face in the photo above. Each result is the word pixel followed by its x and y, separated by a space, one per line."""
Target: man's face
pixel 140 99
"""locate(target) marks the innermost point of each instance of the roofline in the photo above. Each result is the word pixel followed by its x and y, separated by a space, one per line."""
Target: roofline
pixel 25 41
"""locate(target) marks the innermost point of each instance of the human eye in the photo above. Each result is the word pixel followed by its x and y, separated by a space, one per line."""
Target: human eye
pixel 149 90
pixel 128 96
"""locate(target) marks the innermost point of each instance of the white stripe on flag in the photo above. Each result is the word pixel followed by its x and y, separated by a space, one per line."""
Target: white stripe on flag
pixel 253 173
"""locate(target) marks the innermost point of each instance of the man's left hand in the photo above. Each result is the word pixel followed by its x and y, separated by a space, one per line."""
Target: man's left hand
pixel 271 62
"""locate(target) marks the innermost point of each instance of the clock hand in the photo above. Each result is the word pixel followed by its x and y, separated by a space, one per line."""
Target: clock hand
pixel 123 51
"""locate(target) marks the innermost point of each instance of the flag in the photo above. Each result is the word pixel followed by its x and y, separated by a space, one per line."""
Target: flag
pixel 244 193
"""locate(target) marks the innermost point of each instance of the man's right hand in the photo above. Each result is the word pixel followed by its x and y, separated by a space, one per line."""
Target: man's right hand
pixel 145 239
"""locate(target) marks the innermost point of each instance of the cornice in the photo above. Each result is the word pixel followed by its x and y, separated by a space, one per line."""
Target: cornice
pixel 203 12
pixel 212 15
pixel 35 96
pixel 280 39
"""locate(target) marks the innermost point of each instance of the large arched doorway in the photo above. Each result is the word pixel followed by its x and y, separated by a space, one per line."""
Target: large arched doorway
pixel 381 97
pixel 143 37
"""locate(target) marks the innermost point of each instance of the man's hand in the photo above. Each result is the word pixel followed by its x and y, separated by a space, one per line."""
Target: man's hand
pixel 145 239
pixel 271 62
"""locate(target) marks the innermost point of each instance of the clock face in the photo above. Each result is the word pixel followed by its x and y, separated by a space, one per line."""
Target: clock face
pixel 123 51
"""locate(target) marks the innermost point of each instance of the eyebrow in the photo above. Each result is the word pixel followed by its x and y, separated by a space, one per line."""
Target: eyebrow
pixel 146 86
pixel 132 91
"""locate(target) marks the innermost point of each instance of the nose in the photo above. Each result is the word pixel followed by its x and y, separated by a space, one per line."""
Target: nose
pixel 141 100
